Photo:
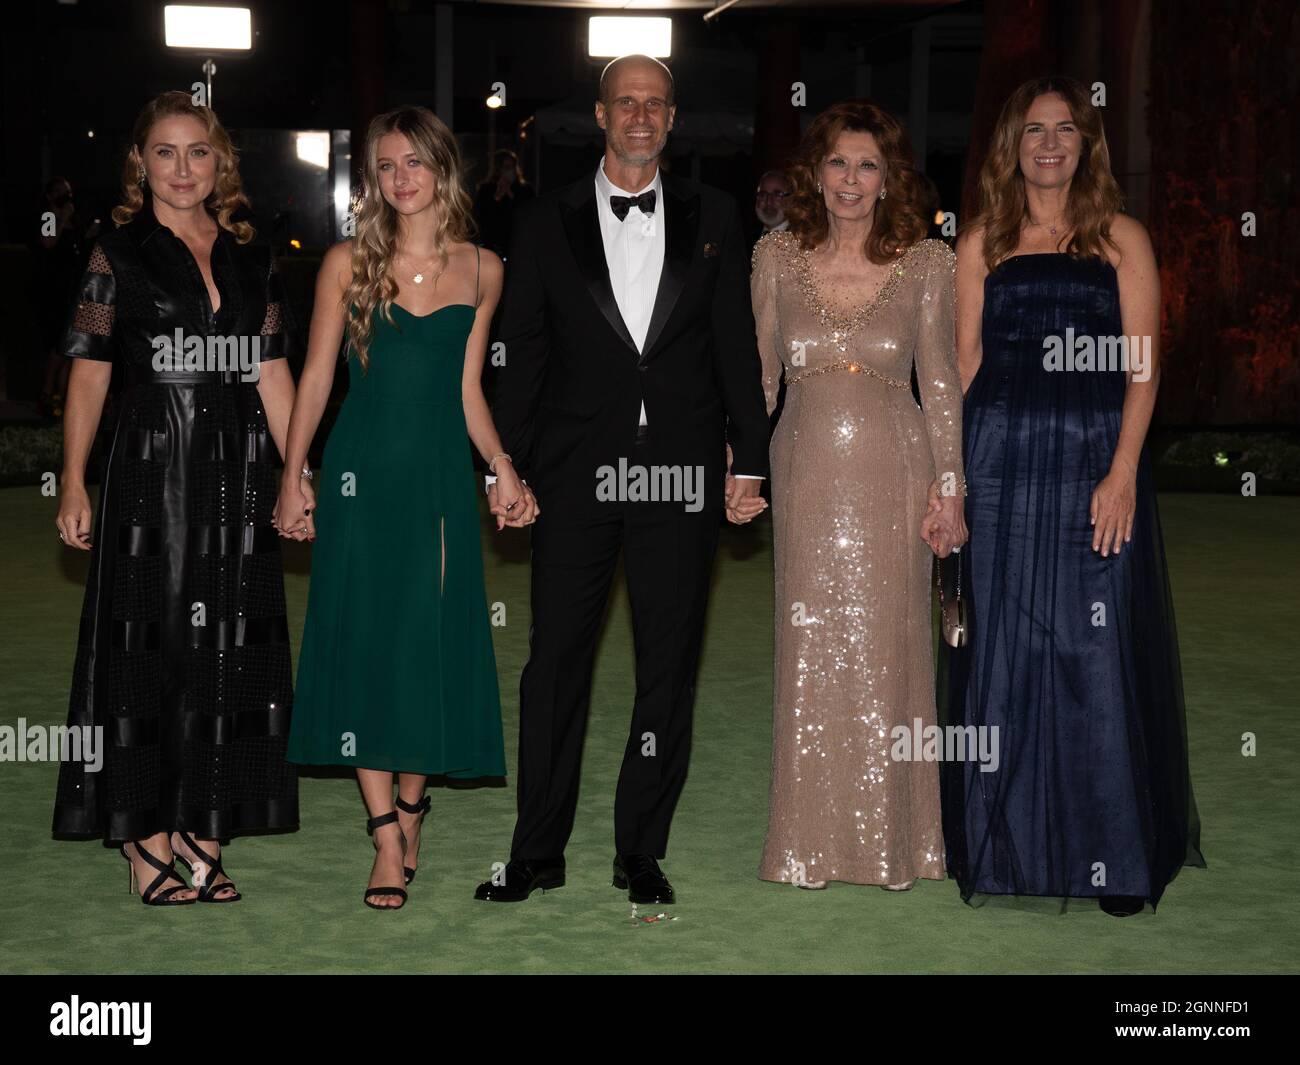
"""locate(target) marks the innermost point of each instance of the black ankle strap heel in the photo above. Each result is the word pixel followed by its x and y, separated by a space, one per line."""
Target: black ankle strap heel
pixel 209 888
pixel 155 894
pixel 421 808
pixel 372 824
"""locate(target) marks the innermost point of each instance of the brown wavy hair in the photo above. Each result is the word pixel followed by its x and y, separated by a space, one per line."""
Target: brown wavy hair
pixel 1094 197
pixel 375 244
pixel 227 194
pixel 900 219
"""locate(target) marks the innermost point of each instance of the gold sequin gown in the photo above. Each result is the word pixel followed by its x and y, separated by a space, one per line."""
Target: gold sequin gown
pixel 853 457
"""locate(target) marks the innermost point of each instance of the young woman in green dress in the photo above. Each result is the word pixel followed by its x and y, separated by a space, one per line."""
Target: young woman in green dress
pixel 397 676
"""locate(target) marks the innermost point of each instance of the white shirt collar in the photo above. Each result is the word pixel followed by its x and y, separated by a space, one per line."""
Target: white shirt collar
pixel 607 188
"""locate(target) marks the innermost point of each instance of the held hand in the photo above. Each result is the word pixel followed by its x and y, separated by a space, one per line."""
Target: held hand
pixel 1114 502
pixel 510 499
pixel 943 526
pixel 74 520
pixel 291 517
pixel 935 533
pixel 744 503
pixel 934 497
pixel 309 494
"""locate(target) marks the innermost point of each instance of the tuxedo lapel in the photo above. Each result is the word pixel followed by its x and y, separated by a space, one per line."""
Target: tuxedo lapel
pixel 680 217
pixel 681 222
pixel 582 227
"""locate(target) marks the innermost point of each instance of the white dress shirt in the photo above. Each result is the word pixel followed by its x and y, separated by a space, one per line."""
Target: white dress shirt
pixel 634 253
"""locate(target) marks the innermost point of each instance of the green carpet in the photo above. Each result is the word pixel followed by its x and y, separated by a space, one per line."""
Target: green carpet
pixel 1234 569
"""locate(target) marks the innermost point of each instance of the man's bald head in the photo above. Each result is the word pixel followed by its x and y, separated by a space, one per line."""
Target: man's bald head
pixel 625 64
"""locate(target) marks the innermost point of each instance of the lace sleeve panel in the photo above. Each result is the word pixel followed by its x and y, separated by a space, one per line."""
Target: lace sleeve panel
pixel 275 332
pixel 90 331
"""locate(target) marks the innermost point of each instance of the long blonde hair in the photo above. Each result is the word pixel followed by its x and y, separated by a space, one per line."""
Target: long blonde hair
pixel 227 194
pixel 375 244
pixel 1094 198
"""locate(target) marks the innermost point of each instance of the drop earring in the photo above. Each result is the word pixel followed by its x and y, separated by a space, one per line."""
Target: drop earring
pixel 882 194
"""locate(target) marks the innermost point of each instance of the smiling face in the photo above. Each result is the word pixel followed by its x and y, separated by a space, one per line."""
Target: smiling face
pixel 852 176
pixel 179 162
pixel 405 182
pixel 1050 143
pixel 637 117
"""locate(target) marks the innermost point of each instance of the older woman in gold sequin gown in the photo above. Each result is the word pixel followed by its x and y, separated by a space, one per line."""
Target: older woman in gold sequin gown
pixel 853 463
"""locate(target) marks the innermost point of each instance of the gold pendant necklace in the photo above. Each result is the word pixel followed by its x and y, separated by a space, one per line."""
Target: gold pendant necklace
pixel 418 278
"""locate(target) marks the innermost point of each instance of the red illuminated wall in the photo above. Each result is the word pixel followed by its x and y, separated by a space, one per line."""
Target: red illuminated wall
pixel 1223 128
pixel 1202 119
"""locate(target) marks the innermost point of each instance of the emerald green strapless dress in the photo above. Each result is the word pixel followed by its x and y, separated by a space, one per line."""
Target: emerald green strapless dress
pixel 397 670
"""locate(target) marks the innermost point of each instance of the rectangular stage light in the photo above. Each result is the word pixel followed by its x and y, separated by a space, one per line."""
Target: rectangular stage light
pixel 610 36
pixel 210 29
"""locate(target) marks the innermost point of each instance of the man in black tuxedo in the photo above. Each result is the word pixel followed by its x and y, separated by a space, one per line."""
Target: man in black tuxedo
pixel 629 343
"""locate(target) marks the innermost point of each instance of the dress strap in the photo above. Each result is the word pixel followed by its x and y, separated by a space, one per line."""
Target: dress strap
pixel 478 261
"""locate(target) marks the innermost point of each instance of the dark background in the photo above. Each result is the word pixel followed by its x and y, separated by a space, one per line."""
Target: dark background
pixel 1201 99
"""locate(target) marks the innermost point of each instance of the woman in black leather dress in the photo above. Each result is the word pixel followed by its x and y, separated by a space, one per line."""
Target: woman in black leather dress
pixel 183 652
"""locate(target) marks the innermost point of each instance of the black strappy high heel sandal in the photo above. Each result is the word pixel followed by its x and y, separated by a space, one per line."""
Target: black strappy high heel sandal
pixel 421 808
pixel 155 894
pixel 379 822
pixel 208 889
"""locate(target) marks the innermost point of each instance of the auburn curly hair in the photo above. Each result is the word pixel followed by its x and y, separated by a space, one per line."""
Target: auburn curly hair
pixel 900 219
pixel 227 194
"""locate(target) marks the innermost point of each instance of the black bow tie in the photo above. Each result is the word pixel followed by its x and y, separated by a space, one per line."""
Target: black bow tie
pixel 645 203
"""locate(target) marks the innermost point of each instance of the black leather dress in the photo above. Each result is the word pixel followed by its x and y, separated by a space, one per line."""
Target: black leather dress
pixel 183 653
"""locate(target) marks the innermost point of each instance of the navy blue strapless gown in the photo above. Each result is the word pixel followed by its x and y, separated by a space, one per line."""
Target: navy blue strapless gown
pixel 1092 795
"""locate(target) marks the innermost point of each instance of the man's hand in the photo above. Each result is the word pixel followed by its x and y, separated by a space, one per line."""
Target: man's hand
pixel 743 502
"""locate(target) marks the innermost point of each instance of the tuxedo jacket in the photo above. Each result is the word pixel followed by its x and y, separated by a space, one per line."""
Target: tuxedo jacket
pixel 570 389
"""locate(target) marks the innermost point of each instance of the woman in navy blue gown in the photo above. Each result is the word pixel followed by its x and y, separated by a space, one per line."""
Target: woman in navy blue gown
pixel 1071 655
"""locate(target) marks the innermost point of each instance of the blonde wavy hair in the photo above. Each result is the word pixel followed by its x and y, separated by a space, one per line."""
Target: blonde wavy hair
pixel 1094 197
pixel 227 194
pixel 375 244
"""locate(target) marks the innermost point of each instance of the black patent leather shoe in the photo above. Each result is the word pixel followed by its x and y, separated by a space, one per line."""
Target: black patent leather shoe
pixel 641 877
pixel 523 876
